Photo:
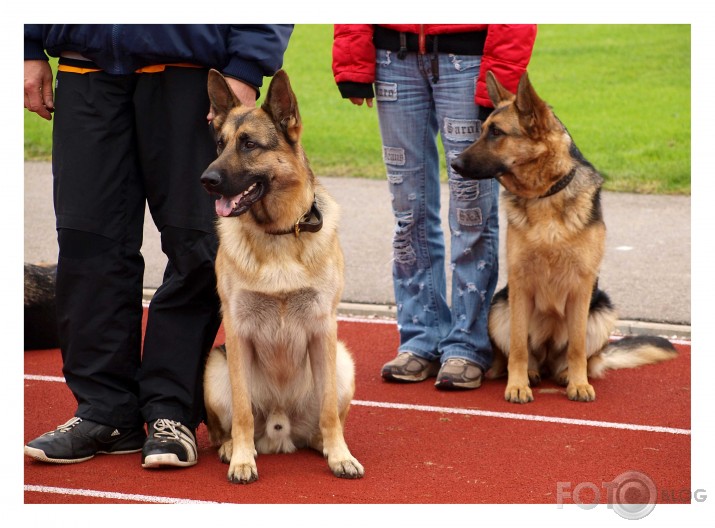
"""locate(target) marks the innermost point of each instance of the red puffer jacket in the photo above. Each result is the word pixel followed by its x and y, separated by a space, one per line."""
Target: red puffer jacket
pixel 507 51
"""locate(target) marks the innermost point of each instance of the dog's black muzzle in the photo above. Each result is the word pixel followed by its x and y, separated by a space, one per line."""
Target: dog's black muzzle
pixel 212 179
pixel 467 167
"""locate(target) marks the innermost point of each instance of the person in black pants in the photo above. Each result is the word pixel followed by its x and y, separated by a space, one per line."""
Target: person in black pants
pixel 130 109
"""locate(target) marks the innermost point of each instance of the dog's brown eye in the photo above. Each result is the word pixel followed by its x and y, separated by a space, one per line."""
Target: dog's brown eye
pixel 495 132
pixel 249 145
pixel 220 145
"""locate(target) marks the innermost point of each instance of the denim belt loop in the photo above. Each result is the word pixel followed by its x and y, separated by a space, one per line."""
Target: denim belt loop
pixel 435 60
pixel 403 46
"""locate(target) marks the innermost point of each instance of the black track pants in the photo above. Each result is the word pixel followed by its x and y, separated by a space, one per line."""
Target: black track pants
pixel 118 143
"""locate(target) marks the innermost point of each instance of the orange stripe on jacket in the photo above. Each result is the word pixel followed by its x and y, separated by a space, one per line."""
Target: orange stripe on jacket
pixel 156 68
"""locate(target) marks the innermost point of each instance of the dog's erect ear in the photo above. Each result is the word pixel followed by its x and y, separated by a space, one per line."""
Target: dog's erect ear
pixel 534 114
pixel 221 95
pixel 497 92
pixel 282 106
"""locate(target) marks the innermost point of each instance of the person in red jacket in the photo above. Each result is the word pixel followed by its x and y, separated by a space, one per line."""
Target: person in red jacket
pixel 430 78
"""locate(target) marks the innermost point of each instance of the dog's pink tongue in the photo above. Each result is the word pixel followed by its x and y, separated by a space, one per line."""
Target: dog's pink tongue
pixel 225 205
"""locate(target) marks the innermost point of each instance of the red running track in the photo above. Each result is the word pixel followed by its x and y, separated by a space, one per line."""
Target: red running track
pixel 417 444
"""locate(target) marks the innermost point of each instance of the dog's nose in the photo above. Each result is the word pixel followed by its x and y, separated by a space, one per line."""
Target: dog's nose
pixel 211 178
pixel 458 165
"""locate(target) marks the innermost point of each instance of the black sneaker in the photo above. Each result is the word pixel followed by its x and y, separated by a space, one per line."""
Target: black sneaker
pixel 169 443
pixel 79 440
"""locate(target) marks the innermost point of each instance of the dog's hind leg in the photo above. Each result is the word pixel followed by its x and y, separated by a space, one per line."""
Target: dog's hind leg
pixel 345 371
pixel 534 369
pixel 499 334
pixel 217 396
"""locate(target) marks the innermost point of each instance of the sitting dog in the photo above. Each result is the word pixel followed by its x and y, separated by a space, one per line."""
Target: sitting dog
pixel 551 318
pixel 283 381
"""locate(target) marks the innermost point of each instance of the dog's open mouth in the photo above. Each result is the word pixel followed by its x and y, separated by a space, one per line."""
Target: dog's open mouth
pixel 239 204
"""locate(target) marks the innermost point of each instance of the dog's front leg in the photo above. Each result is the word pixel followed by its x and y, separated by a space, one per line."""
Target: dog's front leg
pixel 242 465
pixel 577 308
pixel 520 310
pixel 323 352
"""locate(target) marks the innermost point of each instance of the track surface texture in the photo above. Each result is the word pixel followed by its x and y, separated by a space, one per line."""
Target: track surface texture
pixel 418 445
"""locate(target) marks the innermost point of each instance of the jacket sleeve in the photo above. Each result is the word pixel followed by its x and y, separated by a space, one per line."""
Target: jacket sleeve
pixel 354 60
pixel 507 52
pixel 256 51
pixel 33 43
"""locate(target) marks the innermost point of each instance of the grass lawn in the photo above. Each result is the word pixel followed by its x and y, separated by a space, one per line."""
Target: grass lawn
pixel 623 91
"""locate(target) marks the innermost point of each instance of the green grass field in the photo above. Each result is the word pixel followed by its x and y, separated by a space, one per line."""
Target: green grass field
pixel 623 91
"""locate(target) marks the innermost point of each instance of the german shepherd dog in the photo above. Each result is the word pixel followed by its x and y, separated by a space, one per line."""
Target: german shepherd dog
pixel 283 381
pixel 551 318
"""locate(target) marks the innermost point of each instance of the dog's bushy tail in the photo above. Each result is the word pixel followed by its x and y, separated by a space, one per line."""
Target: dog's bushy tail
pixel 631 352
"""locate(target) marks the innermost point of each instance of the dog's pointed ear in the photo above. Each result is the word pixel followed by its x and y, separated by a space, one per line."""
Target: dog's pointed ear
pixel 221 95
pixel 497 92
pixel 534 114
pixel 282 105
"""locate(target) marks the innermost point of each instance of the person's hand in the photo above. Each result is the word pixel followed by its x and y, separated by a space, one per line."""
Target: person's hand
pixel 359 101
pixel 245 93
pixel 38 88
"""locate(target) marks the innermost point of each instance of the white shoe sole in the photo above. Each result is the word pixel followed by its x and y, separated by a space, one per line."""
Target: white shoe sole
pixel 39 454
pixel 165 459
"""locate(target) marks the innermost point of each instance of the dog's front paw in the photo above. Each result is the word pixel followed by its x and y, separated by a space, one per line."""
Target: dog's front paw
pixel 348 468
pixel 580 392
pixel 518 394
pixel 243 473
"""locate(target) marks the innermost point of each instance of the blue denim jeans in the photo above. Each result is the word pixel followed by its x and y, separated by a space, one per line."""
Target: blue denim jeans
pixel 412 109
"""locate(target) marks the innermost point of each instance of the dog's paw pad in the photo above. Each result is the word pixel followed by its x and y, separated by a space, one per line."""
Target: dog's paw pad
pixel 582 392
pixel 518 394
pixel 243 474
pixel 349 469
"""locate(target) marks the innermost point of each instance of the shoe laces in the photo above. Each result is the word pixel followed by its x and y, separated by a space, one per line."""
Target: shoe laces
pixel 166 429
pixel 69 424
pixel 458 361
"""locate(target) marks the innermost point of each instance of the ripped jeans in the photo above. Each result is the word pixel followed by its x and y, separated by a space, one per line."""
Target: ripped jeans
pixel 412 108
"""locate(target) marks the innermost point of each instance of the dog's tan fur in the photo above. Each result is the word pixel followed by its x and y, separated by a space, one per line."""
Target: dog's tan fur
pixel 285 381
pixel 552 317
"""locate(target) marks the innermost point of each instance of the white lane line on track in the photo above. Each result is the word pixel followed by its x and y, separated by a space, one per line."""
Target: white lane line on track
pixel 35 377
pixel 527 417
pixel 476 412
pixel 371 320
pixel 113 495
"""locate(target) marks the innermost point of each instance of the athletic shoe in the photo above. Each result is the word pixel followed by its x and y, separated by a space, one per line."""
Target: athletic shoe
pixel 169 443
pixel 409 367
pixel 459 373
pixel 78 440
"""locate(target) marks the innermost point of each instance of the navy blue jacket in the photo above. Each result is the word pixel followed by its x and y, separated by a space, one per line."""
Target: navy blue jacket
pixel 247 52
